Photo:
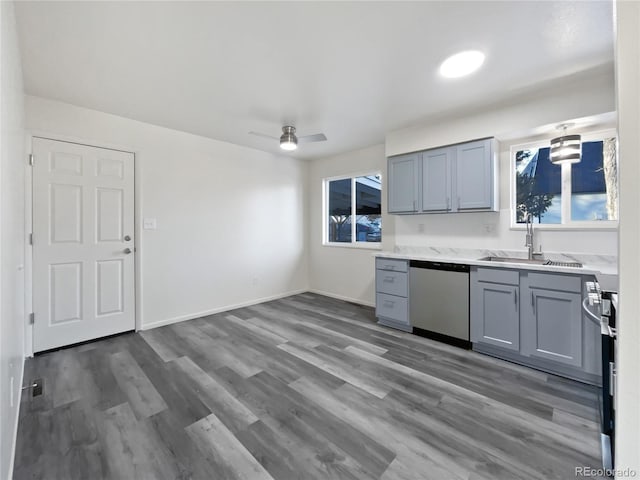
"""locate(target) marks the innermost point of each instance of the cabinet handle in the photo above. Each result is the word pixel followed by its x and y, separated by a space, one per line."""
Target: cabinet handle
pixel 389 279
pixel 414 205
pixel 389 303
pixel 515 299
pixel 448 202
pixel 533 303
pixel 390 267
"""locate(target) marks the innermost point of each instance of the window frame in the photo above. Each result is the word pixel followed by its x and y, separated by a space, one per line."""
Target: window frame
pixel 570 225
pixel 325 211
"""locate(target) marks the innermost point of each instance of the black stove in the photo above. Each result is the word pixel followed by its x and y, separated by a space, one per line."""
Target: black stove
pixel 602 305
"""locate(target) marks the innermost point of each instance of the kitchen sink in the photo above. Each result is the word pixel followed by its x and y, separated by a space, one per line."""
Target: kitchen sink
pixel 535 261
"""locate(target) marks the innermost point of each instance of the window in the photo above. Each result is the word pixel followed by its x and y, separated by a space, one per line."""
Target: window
pixel 579 194
pixel 353 210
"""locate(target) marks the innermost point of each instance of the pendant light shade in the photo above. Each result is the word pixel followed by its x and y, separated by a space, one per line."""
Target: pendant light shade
pixel 565 149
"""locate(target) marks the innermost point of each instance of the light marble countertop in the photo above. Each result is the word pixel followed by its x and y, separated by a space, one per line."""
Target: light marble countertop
pixel 603 267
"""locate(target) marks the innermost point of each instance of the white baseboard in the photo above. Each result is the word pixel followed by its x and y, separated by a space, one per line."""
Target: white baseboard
pixel 12 459
pixel 226 308
pixel 342 297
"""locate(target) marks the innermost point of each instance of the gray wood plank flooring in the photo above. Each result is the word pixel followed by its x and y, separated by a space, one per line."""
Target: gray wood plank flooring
pixel 305 387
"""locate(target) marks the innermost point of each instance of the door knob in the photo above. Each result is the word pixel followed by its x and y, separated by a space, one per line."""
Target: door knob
pixel 127 238
pixel 127 251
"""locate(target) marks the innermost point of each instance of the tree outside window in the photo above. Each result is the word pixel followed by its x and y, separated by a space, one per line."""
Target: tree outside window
pixel 590 187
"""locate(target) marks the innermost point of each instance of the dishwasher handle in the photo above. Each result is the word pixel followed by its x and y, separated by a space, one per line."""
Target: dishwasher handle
pixel 446 266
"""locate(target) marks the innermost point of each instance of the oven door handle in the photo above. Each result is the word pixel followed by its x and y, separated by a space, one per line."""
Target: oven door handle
pixel 612 379
pixel 592 316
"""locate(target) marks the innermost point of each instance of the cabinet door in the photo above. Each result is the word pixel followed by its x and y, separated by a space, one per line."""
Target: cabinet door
pixel 474 176
pixel 436 180
pixel 495 316
pixel 552 326
pixel 403 183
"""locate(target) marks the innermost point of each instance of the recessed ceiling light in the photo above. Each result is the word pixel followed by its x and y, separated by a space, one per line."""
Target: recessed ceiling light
pixel 461 64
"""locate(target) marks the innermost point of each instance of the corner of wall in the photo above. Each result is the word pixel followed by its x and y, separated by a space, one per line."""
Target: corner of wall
pixel 306 182
pixel 12 238
pixel 355 266
pixel 628 326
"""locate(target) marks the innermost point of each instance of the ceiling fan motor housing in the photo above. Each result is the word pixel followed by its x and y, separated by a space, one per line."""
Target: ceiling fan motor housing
pixel 288 139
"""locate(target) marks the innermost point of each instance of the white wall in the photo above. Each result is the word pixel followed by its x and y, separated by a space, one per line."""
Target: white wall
pixel 590 96
pixel 343 272
pixel 231 226
pixel 577 97
pixel 12 167
pixel 628 91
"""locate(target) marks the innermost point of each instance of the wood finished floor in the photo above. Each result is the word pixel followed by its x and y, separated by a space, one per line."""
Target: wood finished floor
pixel 305 387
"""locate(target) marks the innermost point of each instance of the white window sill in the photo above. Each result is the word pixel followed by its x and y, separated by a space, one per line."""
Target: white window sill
pixel 358 245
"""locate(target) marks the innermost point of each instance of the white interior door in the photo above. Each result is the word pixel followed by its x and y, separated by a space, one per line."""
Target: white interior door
pixel 83 243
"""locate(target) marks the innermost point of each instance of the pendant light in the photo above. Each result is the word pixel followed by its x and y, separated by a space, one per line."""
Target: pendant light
pixel 566 148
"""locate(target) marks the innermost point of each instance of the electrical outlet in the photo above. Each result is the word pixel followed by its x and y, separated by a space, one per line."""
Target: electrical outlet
pixel 489 227
pixel 37 387
pixel 421 227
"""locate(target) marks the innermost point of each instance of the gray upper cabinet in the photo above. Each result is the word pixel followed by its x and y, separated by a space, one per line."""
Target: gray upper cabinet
pixel 494 314
pixel 552 321
pixel 474 176
pixel 403 183
pixel 450 179
pixel 436 180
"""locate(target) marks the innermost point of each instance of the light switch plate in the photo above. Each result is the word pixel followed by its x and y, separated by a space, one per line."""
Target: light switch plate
pixel 149 223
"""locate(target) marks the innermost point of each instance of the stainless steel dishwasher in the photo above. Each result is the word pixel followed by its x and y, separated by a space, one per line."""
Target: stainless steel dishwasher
pixel 439 301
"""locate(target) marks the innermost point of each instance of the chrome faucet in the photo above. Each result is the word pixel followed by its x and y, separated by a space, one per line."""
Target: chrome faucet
pixel 529 238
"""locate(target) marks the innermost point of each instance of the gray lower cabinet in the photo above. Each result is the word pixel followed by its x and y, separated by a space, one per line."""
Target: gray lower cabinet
pixel 392 293
pixel 495 316
pixel 536 319
pixel 552 326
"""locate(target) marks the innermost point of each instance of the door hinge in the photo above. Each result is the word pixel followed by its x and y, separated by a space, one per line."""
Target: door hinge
pixel 31 239
pixel 32 318
pixel 31 159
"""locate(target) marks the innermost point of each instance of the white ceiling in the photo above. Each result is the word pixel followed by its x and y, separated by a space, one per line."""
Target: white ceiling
pixel 351 70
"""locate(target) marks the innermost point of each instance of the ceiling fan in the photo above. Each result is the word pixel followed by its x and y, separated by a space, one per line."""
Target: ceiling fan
pixel 289 140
